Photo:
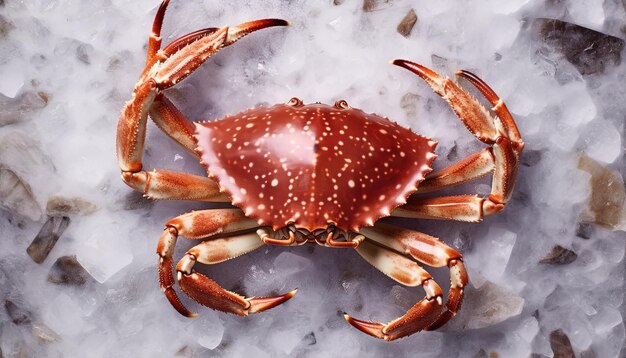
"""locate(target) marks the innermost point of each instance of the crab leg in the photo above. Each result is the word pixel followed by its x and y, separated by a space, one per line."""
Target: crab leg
pixel 154 41
pixel 507 155
pixel 206 223
pixel 506 119
pixel 502 159
pixel 193 225
pixel 185 55
pixel 469 208
pixel 207 292
pixel 169 185
pixel 163 112
pixel 471 112
pixel 400 268
pixel 172 121
pixel 170 66
pixel 467 169
pixel 430 251
pixel 164 68
pixel 408 273
pixel 500 131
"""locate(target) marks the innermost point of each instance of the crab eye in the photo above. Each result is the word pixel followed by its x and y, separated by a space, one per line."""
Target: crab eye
pixel 295 102
pixel 342 104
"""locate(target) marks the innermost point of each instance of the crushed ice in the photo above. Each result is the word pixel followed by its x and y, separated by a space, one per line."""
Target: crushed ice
pixel 67 67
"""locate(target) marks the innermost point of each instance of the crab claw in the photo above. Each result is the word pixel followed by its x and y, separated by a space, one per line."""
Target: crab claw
pixel 184 55
pixel 154 42
pixel 237 32
pixel 425 73
pixel 234 34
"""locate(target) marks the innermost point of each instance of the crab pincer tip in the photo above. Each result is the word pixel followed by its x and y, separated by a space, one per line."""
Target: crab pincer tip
pixel 374 329
pixel 259 304
pixel 292 293
pixel 281 22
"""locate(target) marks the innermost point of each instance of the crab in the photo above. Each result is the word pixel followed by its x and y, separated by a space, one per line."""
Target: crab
pixel 300 173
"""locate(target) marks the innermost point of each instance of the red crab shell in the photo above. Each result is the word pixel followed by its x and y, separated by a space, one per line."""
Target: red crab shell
pixel 314 165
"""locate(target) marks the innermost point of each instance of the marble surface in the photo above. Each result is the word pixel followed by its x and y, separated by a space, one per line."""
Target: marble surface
pixel 547 274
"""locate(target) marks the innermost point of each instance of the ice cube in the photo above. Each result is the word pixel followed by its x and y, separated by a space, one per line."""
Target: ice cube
pixel 12 82
pixel 506 7
pixel 292 263
pixel 64 315
pixel 587 12
pixel 102 249
pixel 285 340
pixel 605 320
pixel 485 306
pixel 603 141
pixel 211 332
pixel 491 254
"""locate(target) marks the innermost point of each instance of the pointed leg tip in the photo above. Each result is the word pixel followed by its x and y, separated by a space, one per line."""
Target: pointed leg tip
pixel 424 72
pixel 173 298
pixel 398 62
pixel 235 33
pixel 255 25
pixel 465 74
pixel 269 23
pixel 261 304
pixel 276 22
pixel 374 329
pixel 292 293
